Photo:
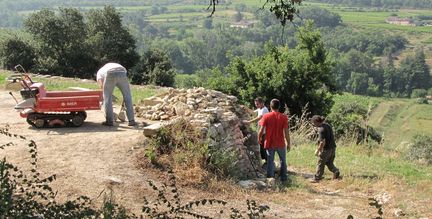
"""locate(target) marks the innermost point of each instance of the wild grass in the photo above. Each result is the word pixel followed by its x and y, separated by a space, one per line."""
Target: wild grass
pixel 363 165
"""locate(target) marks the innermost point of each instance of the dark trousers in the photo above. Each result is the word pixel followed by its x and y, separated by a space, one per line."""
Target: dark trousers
pixel 326 159
pixel 263 151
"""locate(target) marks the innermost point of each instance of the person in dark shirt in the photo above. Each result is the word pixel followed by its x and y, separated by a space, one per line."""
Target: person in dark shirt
pixel 326 150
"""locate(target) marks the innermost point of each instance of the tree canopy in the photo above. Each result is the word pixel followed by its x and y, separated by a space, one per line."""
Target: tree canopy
pixel 298 77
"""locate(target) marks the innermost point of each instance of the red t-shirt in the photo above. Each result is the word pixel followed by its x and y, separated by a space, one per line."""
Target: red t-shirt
pixel 275 124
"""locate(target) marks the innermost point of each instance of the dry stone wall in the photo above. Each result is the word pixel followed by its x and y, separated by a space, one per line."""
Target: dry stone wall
pixel 218 116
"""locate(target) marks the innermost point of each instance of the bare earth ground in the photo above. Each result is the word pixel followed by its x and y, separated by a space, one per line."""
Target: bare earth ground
pixel 93 158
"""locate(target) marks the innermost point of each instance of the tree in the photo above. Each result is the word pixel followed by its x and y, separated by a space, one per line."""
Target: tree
pixel 390 80
pixel 321 17
pixel 420 75
pixel 178 58
pixel 61 42
pixel 153 68
pixel 284 10
pixel 352 61
pixel 349 119
pixel 109 39
pixel 297 77
pixel 416 72
pixel 358 83
pixel 14 51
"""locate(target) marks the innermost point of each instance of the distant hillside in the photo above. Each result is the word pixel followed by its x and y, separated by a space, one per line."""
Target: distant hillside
pixel 400 119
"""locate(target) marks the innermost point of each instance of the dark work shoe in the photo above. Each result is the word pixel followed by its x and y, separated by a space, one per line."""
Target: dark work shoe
pixel 336 175
pixel 132 123
pixel 107 123
pixel 316 180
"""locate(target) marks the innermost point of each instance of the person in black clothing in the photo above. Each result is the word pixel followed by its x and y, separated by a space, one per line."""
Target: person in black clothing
pixel 326 150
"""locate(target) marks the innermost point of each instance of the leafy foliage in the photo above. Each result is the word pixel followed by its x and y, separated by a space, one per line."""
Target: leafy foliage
pixel 15 51
pixel 321 17
pixel 416 93
pixel 416 72
pixel 169 204
pixel 186 148
pixel 69 44
pixel 186 81
pixel 109 38
pixel 350 119
pixel 421 149
pixel 61 47
pixel 296 77
pixel 30 196
pixel 154 68
pixel 284 10
pixel 344 39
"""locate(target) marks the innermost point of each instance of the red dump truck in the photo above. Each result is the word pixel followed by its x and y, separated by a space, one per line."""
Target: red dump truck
pixel 44 108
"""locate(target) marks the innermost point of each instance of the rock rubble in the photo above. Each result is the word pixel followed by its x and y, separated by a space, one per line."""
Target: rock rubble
pixel 218 116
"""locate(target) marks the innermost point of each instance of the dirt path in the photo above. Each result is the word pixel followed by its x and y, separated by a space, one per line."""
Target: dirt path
pixel 86 159
pixel 89 159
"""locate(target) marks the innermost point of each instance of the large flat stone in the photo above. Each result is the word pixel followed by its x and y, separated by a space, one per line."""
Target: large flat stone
pixel 151 130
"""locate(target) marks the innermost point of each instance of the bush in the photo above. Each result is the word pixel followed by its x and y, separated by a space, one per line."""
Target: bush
pixel 14 51
pixel 429 92
pixel 281 73
pixel 186 81
pixel 416 93
pixel 349 119
pixel 181 147
pixel 421 100
pixel 421 149
pixel 154 68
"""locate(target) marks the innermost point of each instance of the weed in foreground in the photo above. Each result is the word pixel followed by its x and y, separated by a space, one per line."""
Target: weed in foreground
pixel 30 196
pixel 181 147
pixel 168 204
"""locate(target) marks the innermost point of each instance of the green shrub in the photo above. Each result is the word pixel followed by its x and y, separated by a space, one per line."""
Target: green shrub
pixel 184 147
pixel 416 93
pixel 421 149
pixel 421 100
pixel 349 119
pixel 429 92
pixel 155 68
pixel 186 81
pixel 223 162
pixel 14 51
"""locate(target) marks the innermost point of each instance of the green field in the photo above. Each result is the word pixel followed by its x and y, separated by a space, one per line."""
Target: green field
pixel 399 120
pixel 359 163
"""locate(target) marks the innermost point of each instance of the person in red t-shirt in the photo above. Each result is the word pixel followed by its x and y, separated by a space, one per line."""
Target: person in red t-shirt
pixel 277 139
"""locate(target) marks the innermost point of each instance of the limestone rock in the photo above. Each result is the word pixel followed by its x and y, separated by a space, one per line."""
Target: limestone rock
pixel 215 115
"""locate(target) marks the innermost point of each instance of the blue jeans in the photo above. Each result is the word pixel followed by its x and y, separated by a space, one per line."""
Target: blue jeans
pixel 271 166
pixel 120 80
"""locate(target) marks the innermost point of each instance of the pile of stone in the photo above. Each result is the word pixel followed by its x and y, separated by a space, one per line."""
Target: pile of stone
pixel 218 116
